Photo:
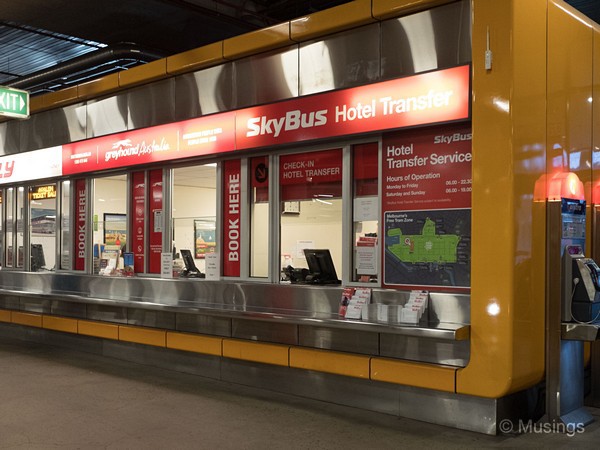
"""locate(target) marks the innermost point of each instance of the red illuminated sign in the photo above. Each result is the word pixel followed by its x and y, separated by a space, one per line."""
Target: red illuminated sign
pixel 432 97
pixel 427 98
pixel 231 217
pixel 196 137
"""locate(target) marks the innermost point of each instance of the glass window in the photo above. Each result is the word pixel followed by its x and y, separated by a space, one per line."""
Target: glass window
pixel 1 226
pixel 42 227
pixel 19 216
pixel 194 215
pixel 365 212
pixel 259 217
pixel 109 223
pixel 311 213
pixel 9 208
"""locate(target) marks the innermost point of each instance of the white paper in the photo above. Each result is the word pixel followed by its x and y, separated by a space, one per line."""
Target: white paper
pixel 366 260
pixel 166 265
pixel 361 297
pixel 301 245
pixel 365 208
pixel 212 266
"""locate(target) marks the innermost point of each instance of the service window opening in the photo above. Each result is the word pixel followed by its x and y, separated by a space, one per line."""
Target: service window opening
pixel 311 207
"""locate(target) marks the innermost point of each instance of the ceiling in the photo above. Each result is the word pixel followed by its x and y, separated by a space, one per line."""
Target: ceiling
pixel 43 34
pixel 47 45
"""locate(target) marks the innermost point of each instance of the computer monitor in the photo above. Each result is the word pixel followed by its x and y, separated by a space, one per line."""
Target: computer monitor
pixel 320 266
pixel 38 261
pixel 190 266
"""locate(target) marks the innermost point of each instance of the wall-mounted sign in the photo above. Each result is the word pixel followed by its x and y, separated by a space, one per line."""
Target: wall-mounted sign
pixel 231 217
pixel 35 165
pixel 426 207
pixel 420 99
pixel 432 97
pixel 202 136
pixel 14 103
pixel 81 211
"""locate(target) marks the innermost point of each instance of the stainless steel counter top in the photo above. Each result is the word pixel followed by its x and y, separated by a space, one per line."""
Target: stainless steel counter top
pixel 447 316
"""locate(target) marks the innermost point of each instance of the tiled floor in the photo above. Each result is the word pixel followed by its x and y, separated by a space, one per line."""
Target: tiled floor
pixel 54 398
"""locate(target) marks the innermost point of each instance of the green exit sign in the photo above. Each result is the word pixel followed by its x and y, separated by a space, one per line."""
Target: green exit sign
pixel 14 103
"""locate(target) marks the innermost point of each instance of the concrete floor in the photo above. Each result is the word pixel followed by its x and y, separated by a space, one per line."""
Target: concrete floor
pixel 54 398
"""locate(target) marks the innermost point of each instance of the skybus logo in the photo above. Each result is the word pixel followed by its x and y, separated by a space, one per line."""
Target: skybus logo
pixel 293 120
pixel 450 138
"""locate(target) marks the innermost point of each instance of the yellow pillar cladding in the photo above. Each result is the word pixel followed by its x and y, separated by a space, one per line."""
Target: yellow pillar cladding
pixel 595 250
pixel 509 149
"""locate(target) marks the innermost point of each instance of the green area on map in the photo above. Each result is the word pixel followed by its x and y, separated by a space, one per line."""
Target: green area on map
pixel 427 247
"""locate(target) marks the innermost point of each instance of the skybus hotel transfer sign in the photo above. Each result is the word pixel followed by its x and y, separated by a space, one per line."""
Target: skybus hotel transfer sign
pixel 431 97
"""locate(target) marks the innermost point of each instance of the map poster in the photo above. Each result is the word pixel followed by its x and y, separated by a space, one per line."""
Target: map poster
pixel 428 248
pixel 427 168
pixel 426 207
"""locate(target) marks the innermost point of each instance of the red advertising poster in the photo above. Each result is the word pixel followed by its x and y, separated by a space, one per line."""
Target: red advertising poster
pixel 311 175
pixel 156 220
pixel 426 207
pixel 432 97
pixel 81 208
pixel 231 217
pixel 202 136
pixel 138 196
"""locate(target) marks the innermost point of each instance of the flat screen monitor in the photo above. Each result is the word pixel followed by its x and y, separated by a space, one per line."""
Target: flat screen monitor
pixel 190 266
pixel 320 266
pixel 37 257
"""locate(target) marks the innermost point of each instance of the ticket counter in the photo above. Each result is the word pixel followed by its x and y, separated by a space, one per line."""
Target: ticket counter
pixel 418 164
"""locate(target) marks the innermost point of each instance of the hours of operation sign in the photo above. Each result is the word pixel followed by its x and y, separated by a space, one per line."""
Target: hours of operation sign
pixel 426 207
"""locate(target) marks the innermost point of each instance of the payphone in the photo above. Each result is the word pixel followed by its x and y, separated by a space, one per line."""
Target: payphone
pixel 581 297
pixel 580 275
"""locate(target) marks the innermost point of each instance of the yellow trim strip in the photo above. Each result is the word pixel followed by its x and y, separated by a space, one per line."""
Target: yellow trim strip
pixel 421 375
pixel 331 362
pixel 148 336
pixel 98 329
pixel 196 59
pixel 386 9
pixel 59 324
pixel 259 41
pixel 145 73
pixel 256 351
pixel 5 316
pixel 195 343
pixel 100 86
pixel 29 319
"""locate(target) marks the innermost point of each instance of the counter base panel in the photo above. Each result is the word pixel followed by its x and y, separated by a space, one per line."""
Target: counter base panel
pixel 443 408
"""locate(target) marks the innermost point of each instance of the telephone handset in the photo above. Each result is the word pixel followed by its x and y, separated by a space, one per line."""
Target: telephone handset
pixel 594 272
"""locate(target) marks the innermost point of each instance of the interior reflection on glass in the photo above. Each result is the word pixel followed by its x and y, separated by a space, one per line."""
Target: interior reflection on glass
pixel 10 193
pixel 42 227
pixel 194 215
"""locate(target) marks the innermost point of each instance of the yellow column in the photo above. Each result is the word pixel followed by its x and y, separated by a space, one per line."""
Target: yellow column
pixel 508 229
